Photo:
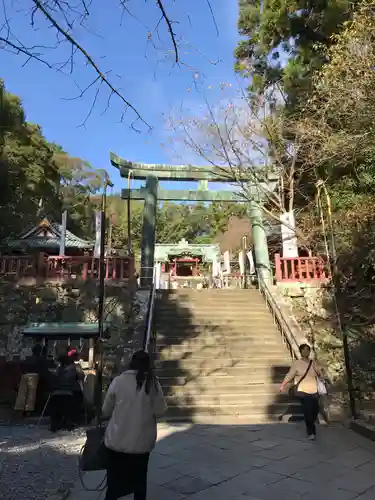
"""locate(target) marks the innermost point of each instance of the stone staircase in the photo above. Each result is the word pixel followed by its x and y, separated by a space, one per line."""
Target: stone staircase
pixel 220 357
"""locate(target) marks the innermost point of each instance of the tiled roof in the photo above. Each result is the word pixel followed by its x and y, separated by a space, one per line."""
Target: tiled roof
pixel 30 239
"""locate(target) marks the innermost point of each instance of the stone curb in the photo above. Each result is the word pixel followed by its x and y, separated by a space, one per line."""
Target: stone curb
pixel 59 495
pixel 364 429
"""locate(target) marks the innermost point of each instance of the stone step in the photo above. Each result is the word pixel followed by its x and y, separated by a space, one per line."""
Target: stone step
pixel 177 323
pixel 209 305
pixel 265 375
pixel 253 419
pixel 214 319
pixel 229 312
pixel 225 341
pixel 224 363
pixel 203 387
pixel 190 330
pixel 272 411
pixel 211 302
pixel 220 311
pixel 210 291
pixel 176 370
pixel 251 329
pixel 201 352
pixel 245 399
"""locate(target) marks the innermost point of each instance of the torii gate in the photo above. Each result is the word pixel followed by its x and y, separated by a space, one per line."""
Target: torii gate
pixel 151 193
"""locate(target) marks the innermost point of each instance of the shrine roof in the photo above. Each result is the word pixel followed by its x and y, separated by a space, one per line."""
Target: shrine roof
pixel 47 235
pixel 205 250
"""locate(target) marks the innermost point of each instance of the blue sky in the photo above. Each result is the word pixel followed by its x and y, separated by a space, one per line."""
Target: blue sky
pixel 153 85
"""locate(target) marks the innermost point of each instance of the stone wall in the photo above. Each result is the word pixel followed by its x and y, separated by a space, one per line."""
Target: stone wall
pixel 59 302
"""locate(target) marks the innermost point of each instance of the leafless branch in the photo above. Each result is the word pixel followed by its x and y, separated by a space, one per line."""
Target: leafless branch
pixel 213 17
pixel 170 28
pixel 89 60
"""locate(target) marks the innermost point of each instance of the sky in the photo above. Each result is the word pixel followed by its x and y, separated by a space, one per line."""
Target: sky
pixel 147 77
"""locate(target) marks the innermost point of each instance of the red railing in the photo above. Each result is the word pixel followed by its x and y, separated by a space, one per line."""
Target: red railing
pixel 300 269
pixel 17 266
pixel 65 268
pixel 115 268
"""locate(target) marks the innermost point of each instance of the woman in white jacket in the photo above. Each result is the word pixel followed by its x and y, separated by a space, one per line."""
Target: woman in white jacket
pixel 134 401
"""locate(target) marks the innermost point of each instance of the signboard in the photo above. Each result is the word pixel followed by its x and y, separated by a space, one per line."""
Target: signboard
pixel 98 229
pixel 288 234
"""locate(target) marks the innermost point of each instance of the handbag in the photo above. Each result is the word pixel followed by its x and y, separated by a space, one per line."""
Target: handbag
pixel 294 389
pixel 321 386
pixel 94 452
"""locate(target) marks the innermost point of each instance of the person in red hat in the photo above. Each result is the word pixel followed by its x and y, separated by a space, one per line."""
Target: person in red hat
pixel 67 397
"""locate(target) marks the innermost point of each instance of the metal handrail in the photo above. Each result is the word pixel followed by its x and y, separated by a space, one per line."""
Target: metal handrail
pixel 150 313
pixel 279 318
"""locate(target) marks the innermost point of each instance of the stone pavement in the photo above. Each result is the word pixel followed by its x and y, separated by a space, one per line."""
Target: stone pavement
pixel 265 462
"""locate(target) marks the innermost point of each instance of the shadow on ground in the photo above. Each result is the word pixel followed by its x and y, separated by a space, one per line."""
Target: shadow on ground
pixel 196 380
pixel 263 462
pixel 35 463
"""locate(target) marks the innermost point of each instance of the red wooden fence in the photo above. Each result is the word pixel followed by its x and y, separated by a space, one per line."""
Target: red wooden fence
pixel 65 268
pixel 300 269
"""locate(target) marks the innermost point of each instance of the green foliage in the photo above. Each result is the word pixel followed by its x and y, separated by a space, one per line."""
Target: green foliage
pixel 283 38
pixel 197 223
pixel 38 177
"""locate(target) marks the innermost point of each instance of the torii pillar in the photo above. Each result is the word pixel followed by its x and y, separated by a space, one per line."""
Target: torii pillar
pixel 259 237
pixel 149 232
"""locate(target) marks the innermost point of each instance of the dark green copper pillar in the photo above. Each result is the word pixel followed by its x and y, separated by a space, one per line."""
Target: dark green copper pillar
pixel 259 237
pixel 148 233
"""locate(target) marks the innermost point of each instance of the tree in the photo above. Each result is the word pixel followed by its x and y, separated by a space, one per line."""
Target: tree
pixel 79 182
pixel 38 177
pixel 250 146
pixel 337 123
pixel 282 42
pixel 196 223
pixel 28 172
pixel 57 28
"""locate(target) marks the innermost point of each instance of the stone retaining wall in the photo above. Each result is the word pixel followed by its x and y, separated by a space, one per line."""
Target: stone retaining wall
pixel 58 302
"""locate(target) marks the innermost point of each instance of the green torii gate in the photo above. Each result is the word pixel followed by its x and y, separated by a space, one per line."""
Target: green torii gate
pixel 151 193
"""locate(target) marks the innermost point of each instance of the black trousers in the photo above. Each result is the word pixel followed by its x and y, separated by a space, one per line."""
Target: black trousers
pixel 126 474
pixel 62 411
pixel 310 406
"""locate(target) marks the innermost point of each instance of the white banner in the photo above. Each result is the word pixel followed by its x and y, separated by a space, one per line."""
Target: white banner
pixel 158 276
pixel 241 261
pixel 288 234
pixel 215 268
pixel 251 261
pixel 98 230
pixel 226 262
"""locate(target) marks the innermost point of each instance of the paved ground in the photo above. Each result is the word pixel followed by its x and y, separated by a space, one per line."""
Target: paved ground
pixel 34 462
pixel 268 462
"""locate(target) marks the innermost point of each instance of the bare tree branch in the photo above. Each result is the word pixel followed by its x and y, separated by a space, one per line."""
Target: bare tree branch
pixel 170 28
pixel 63 17
pixel 89 59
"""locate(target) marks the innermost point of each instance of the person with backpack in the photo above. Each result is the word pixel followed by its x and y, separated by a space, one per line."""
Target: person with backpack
pixel 303 375
pixel 133 402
